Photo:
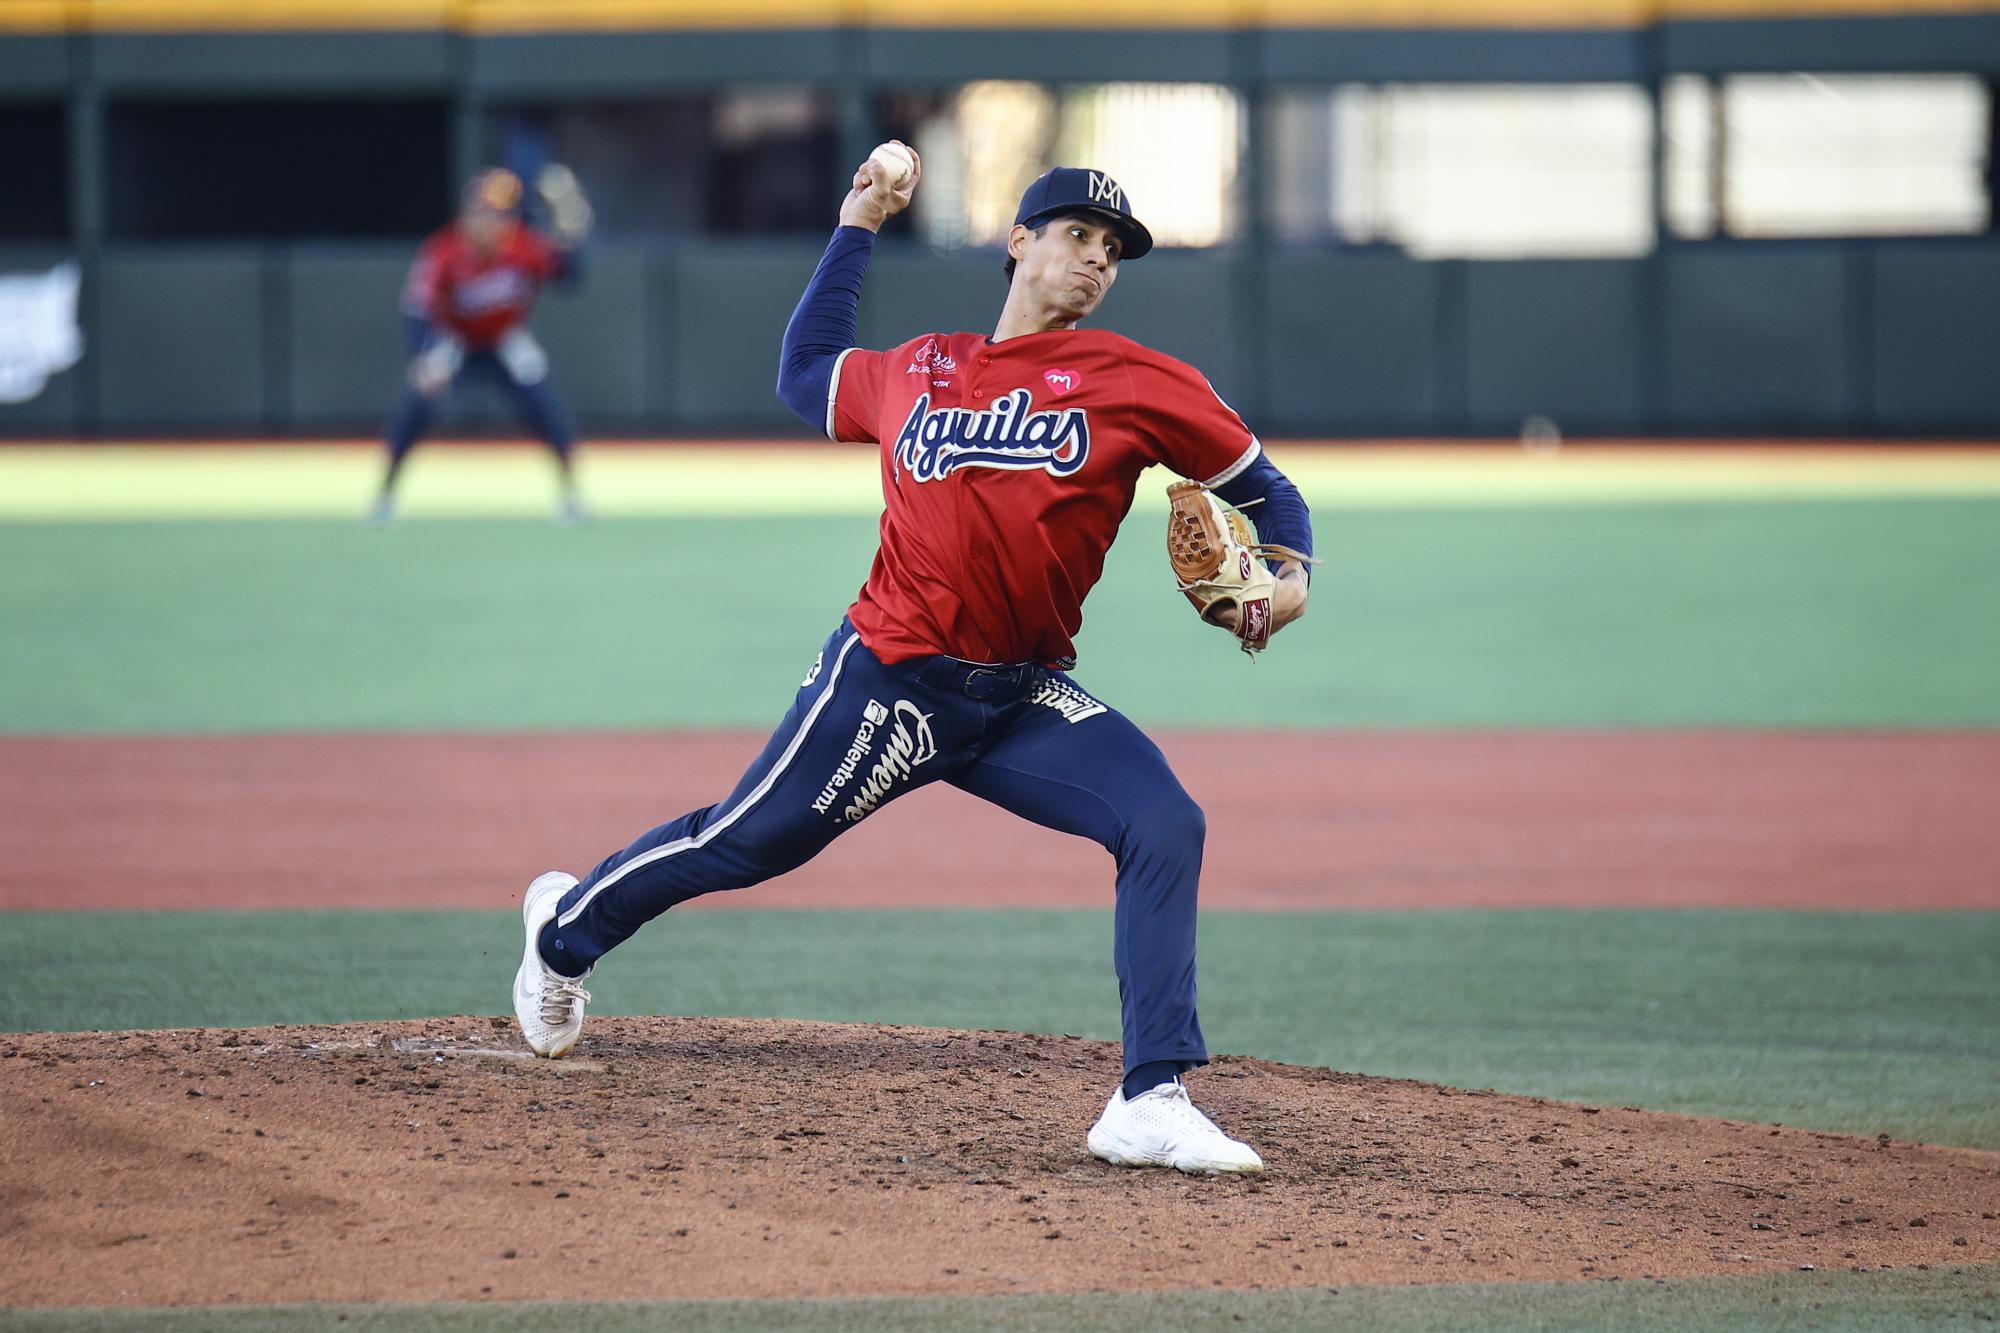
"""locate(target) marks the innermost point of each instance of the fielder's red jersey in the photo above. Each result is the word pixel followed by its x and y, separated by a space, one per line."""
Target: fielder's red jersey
pixel 1006 469
pixel 479 299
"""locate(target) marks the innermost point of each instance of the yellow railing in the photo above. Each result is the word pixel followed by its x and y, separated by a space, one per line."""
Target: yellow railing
pixel 497 16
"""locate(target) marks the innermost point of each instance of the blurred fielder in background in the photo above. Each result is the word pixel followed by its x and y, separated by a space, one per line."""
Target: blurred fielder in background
pixel 467 300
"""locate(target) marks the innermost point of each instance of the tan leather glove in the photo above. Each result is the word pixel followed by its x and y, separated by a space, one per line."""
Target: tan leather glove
pixel 1220 565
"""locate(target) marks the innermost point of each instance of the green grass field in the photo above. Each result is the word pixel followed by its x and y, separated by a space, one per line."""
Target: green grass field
pixel 1474 594
pixel 1960 1298
pixel 1836 614
pixel 1868 1024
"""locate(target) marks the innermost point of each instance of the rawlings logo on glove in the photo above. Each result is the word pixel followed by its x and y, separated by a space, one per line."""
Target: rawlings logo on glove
pixel 1219 563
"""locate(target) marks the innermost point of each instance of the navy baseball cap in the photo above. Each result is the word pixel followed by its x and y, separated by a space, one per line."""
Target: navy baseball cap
pixel 1077 190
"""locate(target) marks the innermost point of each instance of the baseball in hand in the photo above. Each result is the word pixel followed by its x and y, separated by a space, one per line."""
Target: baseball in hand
pixel 893 163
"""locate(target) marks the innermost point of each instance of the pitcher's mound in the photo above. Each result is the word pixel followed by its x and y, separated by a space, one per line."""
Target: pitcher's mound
pixel 434 1160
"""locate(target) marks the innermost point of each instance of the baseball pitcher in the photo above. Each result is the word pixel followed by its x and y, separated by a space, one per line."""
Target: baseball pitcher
pixel 1008 460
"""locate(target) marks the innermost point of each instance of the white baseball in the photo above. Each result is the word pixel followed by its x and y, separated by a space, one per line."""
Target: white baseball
pixel 894 163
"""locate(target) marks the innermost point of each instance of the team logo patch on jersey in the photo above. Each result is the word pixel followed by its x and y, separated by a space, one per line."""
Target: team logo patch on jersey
pixel 1063 381
pixel 500 288
pixel 1006 436
pixel 928 360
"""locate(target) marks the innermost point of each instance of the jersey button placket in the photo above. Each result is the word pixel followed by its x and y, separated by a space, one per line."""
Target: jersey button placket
pixel 984 361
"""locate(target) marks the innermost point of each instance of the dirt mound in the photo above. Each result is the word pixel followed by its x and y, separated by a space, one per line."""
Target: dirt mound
pixel 722 1157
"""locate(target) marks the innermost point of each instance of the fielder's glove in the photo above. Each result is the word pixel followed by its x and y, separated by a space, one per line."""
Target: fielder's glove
pixel 437 365
pixel 570 214
pixel 1219 563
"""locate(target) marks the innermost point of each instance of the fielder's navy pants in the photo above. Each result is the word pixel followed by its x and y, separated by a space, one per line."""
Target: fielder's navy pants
pixel 537 403
pixel 860 734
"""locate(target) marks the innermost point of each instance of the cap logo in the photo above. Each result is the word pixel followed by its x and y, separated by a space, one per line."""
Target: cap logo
pixel 1104 190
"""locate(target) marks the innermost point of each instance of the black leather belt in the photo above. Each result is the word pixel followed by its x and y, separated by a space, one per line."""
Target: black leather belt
pixel 982 681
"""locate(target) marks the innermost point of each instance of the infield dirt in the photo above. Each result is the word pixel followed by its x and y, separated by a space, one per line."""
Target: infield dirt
pixel 436 1160
pixel 1302 821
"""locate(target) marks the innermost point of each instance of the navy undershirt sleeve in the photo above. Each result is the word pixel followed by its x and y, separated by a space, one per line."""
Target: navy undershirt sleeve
pixel 1282 517
pixel 823 325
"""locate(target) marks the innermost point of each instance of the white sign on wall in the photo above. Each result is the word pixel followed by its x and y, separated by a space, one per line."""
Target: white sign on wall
pixel 39 336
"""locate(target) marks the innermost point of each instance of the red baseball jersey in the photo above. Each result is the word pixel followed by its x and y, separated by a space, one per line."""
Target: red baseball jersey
pixel 479 299
pixel 1006 469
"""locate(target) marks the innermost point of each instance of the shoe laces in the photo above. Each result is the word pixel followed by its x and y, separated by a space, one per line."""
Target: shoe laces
pixel 560 995
pixel 1170 1104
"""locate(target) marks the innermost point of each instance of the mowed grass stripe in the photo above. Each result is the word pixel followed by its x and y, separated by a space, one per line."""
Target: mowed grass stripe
pixel 1878 1302
pixel 797 476
pixel 1831 614
pixel 1860 1023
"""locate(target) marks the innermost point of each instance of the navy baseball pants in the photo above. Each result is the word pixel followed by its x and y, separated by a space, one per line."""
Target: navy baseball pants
pixel 536 402
pixel 860 734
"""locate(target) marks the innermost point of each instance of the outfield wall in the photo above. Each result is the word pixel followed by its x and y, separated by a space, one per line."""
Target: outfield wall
pixel 1858 337
pixel 1819 339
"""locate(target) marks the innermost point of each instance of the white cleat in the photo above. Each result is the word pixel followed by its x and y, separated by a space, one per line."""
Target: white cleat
pixel 1163 1128
pixel 548 1004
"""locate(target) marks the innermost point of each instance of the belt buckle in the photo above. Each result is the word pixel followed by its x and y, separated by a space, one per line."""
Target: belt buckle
pixel 972 676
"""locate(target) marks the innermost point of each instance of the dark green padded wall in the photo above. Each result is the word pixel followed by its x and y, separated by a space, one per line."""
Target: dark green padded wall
pixel 1759 338
pixel 730 304
pixel 1355 344
pixel 614 64
pixel 179 339
pixel 595 333
pixel 1560 339
pixel 238 63
pixel 346 359
pixel 34 66
pixel 1934 337
pixel 911 291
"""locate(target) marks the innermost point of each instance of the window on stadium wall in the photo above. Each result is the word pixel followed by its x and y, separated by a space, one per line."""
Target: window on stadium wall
pixel 1495 171
pixel 741 161
pixel 34 163
pixel 1177 149
pixel 269 169
pixel 1828 155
